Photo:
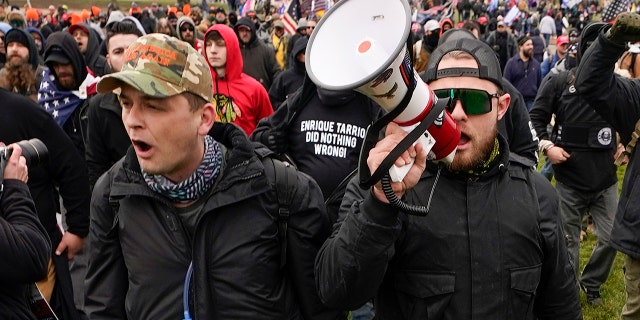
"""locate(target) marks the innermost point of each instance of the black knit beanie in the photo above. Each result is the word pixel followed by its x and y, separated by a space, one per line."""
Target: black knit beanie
pixel 16 36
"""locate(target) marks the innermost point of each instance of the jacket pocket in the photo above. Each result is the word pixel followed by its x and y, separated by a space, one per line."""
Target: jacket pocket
pixel 524 283
pixel 424 295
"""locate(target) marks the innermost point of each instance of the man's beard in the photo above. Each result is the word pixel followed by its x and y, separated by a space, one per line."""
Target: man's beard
pixel 19 76
pixel 66 81
pixel 16 60
pixel 527 53
pixel 476 155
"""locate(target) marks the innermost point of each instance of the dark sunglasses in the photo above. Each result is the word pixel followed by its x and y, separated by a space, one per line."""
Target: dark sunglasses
pixel 474 101
pixel 183 29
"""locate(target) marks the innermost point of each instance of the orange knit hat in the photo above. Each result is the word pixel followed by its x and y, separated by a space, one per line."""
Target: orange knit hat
pixel 32 14
pixel 95 11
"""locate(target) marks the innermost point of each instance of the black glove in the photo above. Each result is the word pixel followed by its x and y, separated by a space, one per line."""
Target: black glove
pixel 276 141
pixel 626 29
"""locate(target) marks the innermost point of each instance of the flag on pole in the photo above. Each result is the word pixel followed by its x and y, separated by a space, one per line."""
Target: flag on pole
pixel 614 8
pixel 249 5
pixel 291 17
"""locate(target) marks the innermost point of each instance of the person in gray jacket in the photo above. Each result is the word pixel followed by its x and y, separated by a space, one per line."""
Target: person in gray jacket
pixel 491 246
pixel 259 58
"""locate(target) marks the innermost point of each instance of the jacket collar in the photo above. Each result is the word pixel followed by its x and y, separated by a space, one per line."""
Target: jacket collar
pixel 243 171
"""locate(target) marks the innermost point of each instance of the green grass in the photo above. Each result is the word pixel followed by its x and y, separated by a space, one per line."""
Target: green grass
pixel 613 292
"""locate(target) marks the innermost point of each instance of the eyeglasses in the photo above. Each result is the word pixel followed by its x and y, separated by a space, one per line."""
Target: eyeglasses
pixel 185 29
pixel 311 28
pixel 474 101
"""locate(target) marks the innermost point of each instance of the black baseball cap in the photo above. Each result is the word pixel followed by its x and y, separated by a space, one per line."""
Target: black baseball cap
pixel 488 64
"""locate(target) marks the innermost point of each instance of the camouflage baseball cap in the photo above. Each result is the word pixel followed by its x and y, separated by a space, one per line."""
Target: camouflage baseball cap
pixel 162 66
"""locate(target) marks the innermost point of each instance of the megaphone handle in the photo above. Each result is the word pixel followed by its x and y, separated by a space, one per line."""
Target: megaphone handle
pixel 398 173
pixel 405 143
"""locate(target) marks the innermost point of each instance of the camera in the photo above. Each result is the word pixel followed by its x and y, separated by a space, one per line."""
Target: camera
pixel 34 151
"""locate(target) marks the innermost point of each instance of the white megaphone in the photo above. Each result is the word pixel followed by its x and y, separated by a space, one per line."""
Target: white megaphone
pixel 361 45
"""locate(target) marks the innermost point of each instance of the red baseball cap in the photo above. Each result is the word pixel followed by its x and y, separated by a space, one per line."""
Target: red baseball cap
pixel 563 39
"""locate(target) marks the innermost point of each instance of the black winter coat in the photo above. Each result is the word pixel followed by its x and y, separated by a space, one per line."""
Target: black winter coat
pixel 140 255
pixel 617 100
pixel 25 250
pixel 491 248
pixel 107 138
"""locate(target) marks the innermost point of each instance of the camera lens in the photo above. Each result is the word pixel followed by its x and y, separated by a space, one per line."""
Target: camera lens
pixel 34 151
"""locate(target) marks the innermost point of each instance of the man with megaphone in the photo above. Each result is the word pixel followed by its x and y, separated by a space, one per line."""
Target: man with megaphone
pixel 491 245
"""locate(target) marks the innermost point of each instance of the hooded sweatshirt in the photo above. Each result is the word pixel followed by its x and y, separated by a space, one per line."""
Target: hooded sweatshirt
pixel 238 97
pixel 289 80
pixel 33 30
pixel 259 59
pixel 196 43
pixel 96 62
pixel 65 104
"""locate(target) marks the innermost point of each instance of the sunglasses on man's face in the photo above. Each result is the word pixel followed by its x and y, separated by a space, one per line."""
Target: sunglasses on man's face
pixel 474 101
pixel 185 29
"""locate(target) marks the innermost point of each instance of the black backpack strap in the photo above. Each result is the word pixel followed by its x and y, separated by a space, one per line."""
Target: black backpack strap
pixel 282 176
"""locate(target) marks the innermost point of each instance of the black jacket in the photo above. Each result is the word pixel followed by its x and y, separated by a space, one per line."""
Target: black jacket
pixel 581 132
pixel 491 248
pixel 288 81
pixel 617 100
pixel 140 257
pixel 25 249
pixel 63 176
pixel 107 139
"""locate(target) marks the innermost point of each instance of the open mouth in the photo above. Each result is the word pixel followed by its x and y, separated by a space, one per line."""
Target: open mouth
pixel 463 139
pixel 141 146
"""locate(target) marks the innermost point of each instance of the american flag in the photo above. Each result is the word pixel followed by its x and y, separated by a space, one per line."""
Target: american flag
pixel 314 7
pixel 61 104
pixel 291 16
pixel 614 8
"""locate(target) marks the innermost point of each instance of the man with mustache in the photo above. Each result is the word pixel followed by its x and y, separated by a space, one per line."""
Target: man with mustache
pixel 66 85
pixel 491 246
pixel 523 71
pixel 22 71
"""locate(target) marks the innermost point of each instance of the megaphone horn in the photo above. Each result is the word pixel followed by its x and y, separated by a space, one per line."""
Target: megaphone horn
pixel 373 59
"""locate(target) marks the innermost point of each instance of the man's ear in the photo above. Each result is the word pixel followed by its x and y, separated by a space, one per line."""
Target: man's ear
pixel 503 105
pixel 208 117
pixel 108 61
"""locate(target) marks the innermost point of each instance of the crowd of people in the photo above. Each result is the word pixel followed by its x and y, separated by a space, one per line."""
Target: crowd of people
pixel 196 170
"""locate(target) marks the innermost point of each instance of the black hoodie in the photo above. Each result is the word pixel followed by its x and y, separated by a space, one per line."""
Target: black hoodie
pixel 65 42
pixel 62 41
pixel 291 79
pixel 96 62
